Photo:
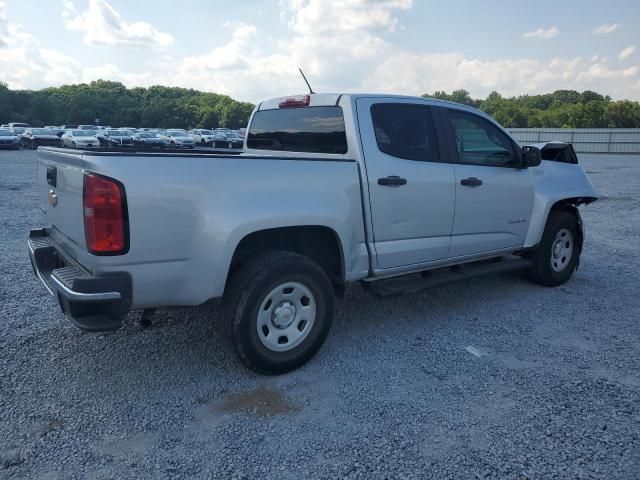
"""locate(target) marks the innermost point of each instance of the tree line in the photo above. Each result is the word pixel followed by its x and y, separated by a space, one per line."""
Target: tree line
pixel 560 109
pixel 114 104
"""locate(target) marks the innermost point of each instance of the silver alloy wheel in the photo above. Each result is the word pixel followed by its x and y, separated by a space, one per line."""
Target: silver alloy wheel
pixel 286 316
pixel 561 250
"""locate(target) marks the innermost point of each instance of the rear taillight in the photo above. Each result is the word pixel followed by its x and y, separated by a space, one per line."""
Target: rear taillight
pixel 294 102
pixel 105 215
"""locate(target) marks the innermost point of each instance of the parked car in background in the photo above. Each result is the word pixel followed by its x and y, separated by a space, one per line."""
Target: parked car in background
pixel 80 138
pixel 224 138
pixel 34 137
pixel 8 139
pixel 176 139
pixel 147 139
pixel 69 127
pixel 18 130
pixel 115 138
pixel 234 140
pixel 13 125
pixel 202 137
pixel 57 130
pixel 87 127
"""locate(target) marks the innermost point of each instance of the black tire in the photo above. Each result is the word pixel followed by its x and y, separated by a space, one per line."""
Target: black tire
pixel 23 144
pixel 202 142
pixel 542 271
pixel 34 145
pixel 249 287
pixel 173 144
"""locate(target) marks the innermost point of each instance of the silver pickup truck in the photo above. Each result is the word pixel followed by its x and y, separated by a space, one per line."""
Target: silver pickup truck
pixel 395 192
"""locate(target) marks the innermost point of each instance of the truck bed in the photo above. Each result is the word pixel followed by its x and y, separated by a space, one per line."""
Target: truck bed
pixel 188 210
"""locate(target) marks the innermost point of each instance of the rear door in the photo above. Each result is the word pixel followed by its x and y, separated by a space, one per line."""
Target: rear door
pixel 411 188
pixel 494 196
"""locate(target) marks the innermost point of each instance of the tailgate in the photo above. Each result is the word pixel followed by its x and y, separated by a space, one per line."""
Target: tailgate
pixel 60 184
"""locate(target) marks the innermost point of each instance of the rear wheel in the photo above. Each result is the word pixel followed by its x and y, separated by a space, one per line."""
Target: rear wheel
pixel 278 311
pixel 34 145
pixel 173 144
pixel 558 254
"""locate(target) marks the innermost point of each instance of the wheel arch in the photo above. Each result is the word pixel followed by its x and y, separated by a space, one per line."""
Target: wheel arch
pixel 318 242
pixel 541 213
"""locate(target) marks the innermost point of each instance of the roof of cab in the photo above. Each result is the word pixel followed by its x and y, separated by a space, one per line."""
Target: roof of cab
pixel 326 99
pixel 330 99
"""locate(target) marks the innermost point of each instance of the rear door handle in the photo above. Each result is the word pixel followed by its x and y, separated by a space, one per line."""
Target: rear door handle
pixel 471 182
pixel 392 181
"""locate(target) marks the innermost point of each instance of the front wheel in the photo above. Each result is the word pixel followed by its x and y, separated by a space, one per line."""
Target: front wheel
pixel 557 256
pixel 278 311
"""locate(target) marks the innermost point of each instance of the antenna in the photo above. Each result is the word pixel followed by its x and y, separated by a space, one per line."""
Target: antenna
pixel 306 81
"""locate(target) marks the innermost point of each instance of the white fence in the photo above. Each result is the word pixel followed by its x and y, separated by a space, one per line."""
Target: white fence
pixel 584 140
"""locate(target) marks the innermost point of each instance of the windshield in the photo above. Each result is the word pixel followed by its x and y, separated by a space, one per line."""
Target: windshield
pixel 82 133
pixel 42 131
pixel 147 135
pixel 18 129
pixel 117 133
pixel 207 132
pixel 177 133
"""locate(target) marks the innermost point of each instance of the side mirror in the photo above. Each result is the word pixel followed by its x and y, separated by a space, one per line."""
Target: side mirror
pixel 531 156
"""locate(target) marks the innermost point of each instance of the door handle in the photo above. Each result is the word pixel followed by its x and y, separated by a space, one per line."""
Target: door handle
pixel 471 182
pixel 392 181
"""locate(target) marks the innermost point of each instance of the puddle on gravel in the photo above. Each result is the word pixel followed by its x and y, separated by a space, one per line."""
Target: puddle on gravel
pixel 262 402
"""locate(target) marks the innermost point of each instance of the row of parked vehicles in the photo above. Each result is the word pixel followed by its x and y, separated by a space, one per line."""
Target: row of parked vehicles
pixel 16 135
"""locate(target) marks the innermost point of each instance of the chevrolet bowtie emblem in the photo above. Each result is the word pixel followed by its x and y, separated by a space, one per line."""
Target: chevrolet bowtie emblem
pixel 53 198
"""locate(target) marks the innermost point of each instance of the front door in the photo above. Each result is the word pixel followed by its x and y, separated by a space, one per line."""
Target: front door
pixel 494 196
pixel 411 190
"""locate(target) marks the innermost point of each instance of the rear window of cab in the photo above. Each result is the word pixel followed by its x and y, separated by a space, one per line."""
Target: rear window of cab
pixel 305 129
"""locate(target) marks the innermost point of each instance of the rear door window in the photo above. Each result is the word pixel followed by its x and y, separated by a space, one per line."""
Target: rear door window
pixel 405 130
pixel 304 129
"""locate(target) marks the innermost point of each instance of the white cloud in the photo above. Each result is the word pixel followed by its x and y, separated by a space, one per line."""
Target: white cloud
pixel 543 33
pixel 314 17
pixel 626 52
pixel 102 25
pixel 25 64
pixel 112 72
pixel 606 28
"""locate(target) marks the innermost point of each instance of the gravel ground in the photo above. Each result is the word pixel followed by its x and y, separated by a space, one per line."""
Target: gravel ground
pixel 393 393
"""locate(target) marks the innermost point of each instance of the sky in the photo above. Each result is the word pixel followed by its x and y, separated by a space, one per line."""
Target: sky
pixel 251 49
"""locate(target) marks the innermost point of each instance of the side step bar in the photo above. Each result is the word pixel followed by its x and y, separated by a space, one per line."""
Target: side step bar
pixel 421 281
